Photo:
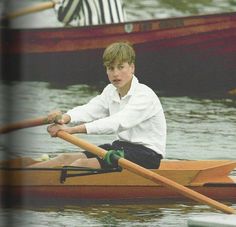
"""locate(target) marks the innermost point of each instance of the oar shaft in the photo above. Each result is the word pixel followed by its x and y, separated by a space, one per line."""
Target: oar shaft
pixel 30 9
pixel 134 168
pixel 24 124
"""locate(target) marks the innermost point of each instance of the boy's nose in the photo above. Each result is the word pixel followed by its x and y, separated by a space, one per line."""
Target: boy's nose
pixel 115 71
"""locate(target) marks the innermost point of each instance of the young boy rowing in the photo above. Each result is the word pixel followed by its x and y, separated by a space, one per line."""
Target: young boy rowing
pixel 126 107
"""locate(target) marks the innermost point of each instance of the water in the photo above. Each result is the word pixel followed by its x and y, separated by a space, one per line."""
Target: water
pixel 198 128
pixel 159 215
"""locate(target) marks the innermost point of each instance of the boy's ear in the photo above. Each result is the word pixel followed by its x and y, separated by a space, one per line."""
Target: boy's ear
pixel 133 67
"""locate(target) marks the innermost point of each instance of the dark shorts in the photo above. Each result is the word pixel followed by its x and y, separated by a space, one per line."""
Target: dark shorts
pixel 136 153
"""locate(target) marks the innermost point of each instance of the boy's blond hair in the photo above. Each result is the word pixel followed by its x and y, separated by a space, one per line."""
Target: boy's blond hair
pixel 119 52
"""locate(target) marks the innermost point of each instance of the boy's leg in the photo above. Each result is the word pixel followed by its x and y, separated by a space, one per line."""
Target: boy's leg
pixel 93 161
pixel 80 159
pixel 87 162
pixel 61 160
pixel 139 154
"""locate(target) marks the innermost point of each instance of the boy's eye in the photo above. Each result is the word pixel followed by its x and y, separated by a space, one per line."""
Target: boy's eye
pixel 120 66
pixel 110 68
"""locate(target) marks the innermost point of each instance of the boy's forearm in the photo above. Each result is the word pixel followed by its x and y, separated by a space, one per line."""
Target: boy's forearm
pixel 77 129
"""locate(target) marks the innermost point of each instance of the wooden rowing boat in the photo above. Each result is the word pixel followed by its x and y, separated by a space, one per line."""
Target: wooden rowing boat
pixel 183 56
pixel 77 185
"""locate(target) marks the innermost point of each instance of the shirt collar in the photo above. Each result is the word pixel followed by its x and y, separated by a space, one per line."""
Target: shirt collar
pixel 133 86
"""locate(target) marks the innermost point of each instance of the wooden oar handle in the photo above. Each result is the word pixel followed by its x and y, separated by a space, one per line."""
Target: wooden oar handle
pixel 148 174
pixel 24 124
pixel 31 9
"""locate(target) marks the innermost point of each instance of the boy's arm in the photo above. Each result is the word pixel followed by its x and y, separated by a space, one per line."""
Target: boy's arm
pixel 56 116
pixel 53 129
pixel 96 108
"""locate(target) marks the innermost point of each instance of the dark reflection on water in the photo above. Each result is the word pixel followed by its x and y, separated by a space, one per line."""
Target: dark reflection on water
pixel 162 214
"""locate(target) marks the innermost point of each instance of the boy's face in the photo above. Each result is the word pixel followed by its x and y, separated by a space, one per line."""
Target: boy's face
pixel 120 74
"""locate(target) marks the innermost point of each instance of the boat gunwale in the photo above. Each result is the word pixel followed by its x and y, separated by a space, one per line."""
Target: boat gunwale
pixel 228 15
pixel 181 164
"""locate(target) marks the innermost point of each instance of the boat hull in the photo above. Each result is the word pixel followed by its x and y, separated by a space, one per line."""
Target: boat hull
pixel 66 185
pixel 191 55
pixel 109 194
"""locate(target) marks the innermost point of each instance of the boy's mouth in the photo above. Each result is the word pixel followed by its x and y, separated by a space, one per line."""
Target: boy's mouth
pixel 116 81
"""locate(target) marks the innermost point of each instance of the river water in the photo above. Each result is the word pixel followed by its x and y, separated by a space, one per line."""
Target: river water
pixel 198 128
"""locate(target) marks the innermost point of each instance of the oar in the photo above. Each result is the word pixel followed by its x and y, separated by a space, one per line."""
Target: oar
pixel 30 9
pixel 134 168
pixel 24 124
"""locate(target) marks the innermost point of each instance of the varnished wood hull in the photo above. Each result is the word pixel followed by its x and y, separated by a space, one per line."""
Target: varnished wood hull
pixel 190 55
pixel 81 195
pixel 28 185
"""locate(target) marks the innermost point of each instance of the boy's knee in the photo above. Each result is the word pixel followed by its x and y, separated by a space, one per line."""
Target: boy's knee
pixel 81 162
pixel 63 157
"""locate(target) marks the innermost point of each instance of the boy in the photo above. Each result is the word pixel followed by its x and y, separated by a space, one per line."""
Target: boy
pixel 125 107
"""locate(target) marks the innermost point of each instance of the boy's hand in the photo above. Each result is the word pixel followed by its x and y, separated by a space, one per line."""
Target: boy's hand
pixel 58 118
pixel 54 128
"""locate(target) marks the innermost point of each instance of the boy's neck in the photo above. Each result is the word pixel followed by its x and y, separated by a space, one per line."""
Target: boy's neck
pixel 125 89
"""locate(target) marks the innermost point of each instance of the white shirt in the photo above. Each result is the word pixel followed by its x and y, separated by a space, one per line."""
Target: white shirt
pixel 90 12
pixel 137 117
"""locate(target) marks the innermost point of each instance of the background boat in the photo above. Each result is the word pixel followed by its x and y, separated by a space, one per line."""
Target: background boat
pixel 178 56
